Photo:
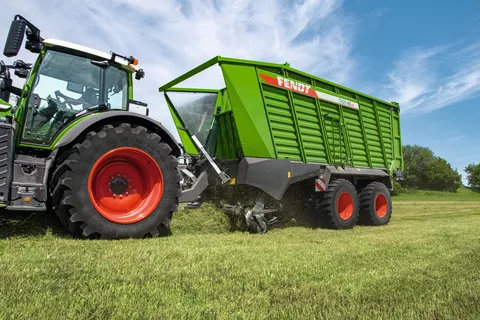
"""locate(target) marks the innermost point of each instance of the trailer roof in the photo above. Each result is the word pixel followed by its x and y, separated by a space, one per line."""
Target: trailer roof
pixel 219 60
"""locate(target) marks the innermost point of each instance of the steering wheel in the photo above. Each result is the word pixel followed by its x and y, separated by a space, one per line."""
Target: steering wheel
pixel 56 101
pixel 68 102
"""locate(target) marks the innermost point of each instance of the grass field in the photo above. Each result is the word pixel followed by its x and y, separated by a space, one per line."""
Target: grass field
pixel 425 265
pixel 463 194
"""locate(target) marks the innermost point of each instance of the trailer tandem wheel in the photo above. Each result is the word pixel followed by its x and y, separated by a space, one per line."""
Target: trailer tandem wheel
pixel 375 205
pixel 119 182
pixel 339 207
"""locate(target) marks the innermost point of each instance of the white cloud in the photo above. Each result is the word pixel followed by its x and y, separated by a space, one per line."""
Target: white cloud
pixel 424 80
pixel 169 37
pixel 379 12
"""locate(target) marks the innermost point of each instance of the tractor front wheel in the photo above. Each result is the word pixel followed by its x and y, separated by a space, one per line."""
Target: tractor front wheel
pixel 119 182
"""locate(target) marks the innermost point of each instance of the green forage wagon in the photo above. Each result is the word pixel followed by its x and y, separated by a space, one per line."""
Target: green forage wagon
pixel 280 138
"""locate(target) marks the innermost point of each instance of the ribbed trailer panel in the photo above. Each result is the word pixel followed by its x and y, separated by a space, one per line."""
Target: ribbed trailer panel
pixel 278 112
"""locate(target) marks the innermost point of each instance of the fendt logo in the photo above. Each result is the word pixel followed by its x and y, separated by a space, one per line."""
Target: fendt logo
pixel 294 85
pixel 289 84
pixel 299 87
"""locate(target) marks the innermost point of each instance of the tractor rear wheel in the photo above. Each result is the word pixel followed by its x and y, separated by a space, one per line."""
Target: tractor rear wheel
pixel 119 182
pixel 375 205
pixel 339 207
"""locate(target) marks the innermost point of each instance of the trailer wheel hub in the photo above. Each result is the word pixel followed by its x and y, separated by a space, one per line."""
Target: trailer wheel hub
pixel 345 205
pixel 125 185
pixel 381 205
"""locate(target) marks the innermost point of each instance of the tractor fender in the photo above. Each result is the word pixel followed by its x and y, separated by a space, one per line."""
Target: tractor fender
pixel 104 118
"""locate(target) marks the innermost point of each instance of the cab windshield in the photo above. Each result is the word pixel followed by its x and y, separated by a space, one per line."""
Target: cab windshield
pixel 65 85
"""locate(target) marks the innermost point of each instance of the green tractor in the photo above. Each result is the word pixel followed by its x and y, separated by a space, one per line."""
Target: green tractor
pixel 76 143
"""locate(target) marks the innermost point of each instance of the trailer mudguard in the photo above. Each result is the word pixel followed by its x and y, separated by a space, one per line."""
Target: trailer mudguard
pixel 368 174
pixel 274 176
pixel 119 116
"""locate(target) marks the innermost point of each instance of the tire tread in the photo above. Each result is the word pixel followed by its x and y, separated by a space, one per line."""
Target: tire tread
pixel 326 214
pixel 64 175
pixel 367 216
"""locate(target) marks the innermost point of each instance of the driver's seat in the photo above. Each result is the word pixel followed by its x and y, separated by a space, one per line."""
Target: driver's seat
pixel 90 97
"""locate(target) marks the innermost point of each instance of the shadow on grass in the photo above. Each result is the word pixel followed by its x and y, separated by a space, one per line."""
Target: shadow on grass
pixel 205 220
pixel 30 224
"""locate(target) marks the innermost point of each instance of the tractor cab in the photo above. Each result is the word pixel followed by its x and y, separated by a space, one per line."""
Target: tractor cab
pixel 66 81
pixel 68 84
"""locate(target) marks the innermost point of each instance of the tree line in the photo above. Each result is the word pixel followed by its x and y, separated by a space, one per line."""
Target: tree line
pixel 426 171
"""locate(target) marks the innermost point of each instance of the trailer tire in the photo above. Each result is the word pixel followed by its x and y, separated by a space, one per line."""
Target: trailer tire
pixel 375 205
pixel 119 182
pixel 339 207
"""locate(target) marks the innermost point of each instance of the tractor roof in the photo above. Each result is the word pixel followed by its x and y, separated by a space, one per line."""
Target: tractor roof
pixel 82 50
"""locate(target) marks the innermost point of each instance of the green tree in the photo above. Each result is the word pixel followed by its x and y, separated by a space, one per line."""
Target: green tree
pixel 473 176
pixel 425 171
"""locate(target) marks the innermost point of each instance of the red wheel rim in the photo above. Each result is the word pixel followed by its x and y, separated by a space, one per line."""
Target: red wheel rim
pixel 345 206
pixel 125 185
pixel 381 205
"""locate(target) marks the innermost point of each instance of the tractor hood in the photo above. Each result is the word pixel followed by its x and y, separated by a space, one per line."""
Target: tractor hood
pixel 4 105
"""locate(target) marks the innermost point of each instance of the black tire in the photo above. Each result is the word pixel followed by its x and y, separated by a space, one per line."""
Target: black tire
pixel 371 199
pixel 329 215
pixel 70 187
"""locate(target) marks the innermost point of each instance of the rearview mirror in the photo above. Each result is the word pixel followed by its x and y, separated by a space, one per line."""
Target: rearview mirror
pixel 15 38
pixel 75 87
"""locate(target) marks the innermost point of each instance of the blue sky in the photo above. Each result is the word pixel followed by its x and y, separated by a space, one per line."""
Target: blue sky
pixel 448 32
pixel 423 54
